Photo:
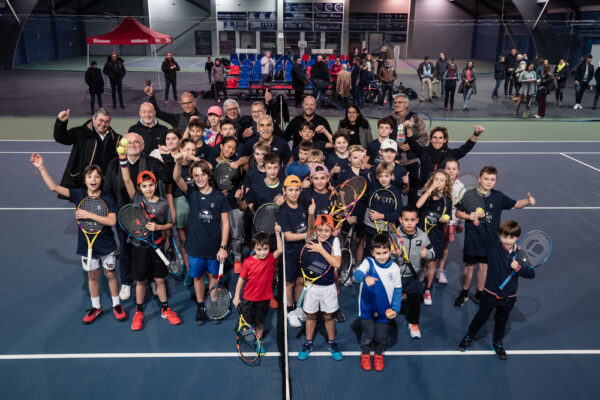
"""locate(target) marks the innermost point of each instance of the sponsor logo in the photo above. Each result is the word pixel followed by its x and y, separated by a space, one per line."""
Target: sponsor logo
pixel 100 41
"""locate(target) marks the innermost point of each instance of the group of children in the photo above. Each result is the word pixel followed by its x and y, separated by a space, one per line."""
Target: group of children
pixel 399 249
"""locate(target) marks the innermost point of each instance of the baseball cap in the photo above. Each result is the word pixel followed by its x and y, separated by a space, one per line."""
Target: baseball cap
pixel 292 180
pixel 389 144
pixel 318 169
pixel 215 110
pixel 145 176
pixel 324 219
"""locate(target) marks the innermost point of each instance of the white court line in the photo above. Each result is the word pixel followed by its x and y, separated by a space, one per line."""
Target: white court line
pixel 291 354
pixel 580 162
pixel 452 141
pixel 197 63
pixel 73 208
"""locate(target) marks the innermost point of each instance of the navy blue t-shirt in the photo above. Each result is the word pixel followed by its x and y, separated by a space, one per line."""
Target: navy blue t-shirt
pixel 294 220
pixel 332 160
pixel 254 175
pixel 105 242
pixel 389 204
pixel 204 228
pixel 321 200
pixel 317 145
pixel 203 152
pixel 432 211
pixel 476 237
pixel 260 193
pixel 278 146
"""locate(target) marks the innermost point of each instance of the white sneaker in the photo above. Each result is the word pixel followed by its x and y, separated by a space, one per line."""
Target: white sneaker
pixel 125 292
pixel 415 333
pixel 293 320
pixel 427 298
pixel 442 277
pixel 580 107
pixel 421 275
pixel 537 116
pixel 575 107
pixel 300 314
pixel 153 286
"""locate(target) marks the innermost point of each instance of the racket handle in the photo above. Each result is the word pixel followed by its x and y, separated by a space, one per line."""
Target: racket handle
pixel 89 259
pixel 301 299
pixel 162 257
pixel 508 278
pixel 476 223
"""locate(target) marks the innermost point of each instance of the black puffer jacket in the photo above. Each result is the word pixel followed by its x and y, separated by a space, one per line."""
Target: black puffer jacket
pixel 114 70
pixel 94 80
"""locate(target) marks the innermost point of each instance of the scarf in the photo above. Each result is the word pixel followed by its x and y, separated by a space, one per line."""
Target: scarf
pixel 436 155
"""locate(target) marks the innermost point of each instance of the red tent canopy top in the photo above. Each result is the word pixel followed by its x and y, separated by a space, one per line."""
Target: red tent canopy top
pixel 130 32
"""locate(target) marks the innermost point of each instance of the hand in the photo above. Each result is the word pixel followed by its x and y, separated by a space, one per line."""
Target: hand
pixel 515 265
pixel 405 178
pixel 279 200
pixel 312 208
pixel 315 247
pixel 149 90
pixel 423 253
pixel 478 130
pixel 221 255
pixel 239 194
pixel 405 147
pixel 277 228
pixel 179 157
pixel 151 226
pixel 370 281
pixel 82 214
pixel 37 160
pixel 391 315
pixel 194 117
pixel 335 170
pixel 530 199
pixel 63 116
pixel 396 251
pixel 374 215
pixel 409 123
pixel 163 149
pixel 306 183
pixel 474 216
pixel 248 132
pixel 320 129
pixel 236 301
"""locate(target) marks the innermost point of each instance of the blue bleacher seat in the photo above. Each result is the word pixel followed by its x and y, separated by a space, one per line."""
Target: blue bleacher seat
pixel 310 63
pixel 233 56
pixel 243 84
pixel 251 57
pixel 235 61
pixel 330 63
pixel 243 57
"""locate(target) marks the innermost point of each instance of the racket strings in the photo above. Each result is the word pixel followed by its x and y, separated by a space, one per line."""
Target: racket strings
pixel 95 206
pixel 134 220
pixel 534 249
pixel 265 219
pixel 472 200
pixel 218 303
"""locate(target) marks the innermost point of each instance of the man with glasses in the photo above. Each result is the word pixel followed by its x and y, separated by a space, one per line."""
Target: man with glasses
pixel 177 120
pixel 94 142
pixel 257 109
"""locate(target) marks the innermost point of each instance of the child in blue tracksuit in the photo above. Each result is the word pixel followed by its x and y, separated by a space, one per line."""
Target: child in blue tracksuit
pixel 379 299
pixel 501 262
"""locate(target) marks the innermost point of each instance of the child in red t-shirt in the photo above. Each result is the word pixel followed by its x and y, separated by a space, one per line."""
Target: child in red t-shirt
pixel 257 273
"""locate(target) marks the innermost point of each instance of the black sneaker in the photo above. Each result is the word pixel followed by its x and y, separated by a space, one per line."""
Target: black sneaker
pixel 499 350
pixel 339 316
pixel 462 298
pixel 465 343
pixel 200 315
pixel 477 297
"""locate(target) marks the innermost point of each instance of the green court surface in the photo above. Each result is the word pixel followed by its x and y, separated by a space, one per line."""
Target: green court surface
pixel 509 130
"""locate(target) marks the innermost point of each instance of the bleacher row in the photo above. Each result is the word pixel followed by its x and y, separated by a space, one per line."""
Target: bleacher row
pixel 245 70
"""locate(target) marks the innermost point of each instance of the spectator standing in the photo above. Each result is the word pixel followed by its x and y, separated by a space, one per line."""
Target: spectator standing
pixel 95 82
pixel 208 68
pixel 321 80
pixel 425 72
pixel 527 79
pixel 583 76
pixel 511 65
pixel 597 77
pixel 521 66
pixel 115 70
pixel 499 75
pixel 342 85
pixel 153 133
pixel 468 85
pixel 170 68
pixel 441 65
pixel 299 81
pixel 387 75
pixel 335 69
pixel 219 76
pixel 546 85
pixel 177 120
pixel 267 65
pixel 561 72
pixel 449 81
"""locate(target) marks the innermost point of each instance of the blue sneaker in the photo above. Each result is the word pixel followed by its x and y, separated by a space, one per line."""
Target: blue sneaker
pixel 260 348
pixel 306 349
pixel 336 354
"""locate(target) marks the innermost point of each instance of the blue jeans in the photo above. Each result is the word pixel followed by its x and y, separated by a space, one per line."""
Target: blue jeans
pixel 466 97
pixel 559 93
pixel 386 87
pixel 359 96
pixel 579 90
pixel 169 83
pixel 498 83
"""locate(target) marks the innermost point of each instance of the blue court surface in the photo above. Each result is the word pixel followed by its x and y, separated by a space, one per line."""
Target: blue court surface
pixel 553 335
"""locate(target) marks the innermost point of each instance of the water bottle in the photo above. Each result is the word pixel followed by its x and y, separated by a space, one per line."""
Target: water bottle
pixel 400 136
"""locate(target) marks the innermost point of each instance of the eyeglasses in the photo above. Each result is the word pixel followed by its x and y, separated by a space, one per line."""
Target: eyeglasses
pixel 189 103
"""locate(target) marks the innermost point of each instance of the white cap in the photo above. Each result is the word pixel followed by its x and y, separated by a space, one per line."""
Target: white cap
pixel 389 144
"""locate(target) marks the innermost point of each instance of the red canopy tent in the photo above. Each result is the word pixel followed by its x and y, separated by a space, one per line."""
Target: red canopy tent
pixel 130 32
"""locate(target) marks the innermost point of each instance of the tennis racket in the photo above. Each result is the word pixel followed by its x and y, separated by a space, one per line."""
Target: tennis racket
pixel 382 201
pixel 218 299
pixel 462 181
pixel 345 270
pixel 397 242
pixel 344 197
pixel 312 270
pixel 176 265
pixel 226 178
pixel 471 199
pixel 90 228
pixel 533 250
pixel 133 220
pixel 432 219
pixel 248 343
pixel 265 218
pixel 426 118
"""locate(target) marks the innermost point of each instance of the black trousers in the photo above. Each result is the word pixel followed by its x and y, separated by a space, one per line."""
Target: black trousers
pixel 413 182
pixel 93 102
pixel 508 83
pixel 488 303
pixel 124 258
pixel 117 87
pixel 449 94
pixel 373 334
pixel 413 307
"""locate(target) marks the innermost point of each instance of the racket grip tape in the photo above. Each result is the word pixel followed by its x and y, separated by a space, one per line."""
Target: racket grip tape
pixel 301 298
pixel 162 257
pixel 89 258
pixel 508 278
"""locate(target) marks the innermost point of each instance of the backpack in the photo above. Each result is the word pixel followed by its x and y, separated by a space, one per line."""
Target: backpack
pixel 410 93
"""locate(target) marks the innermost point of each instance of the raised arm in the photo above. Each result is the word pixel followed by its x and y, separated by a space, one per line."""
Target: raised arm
pixel 38 162
pixel 177 178
pixel 529 201
pixel 126 175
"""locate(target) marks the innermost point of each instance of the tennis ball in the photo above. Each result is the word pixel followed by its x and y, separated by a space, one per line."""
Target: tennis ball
pixel 121 150
pixel 124 142
pixel 389 312
pixel 479 210
pixel 445 218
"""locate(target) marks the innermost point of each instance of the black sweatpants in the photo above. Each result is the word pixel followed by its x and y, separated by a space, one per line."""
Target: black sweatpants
pixel 373 333
pixel 488 303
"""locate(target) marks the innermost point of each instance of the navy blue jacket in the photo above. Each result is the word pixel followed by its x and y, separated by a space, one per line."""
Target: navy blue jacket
pixel 499 261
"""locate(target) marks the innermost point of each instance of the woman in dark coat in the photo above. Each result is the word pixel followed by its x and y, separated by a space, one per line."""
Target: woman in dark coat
pixel 299 81
pixel 561 72
pixel 95 82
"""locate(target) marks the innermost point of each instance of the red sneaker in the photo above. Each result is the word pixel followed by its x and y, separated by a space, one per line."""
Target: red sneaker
pixel 237 267
pixel 120 314
pixel 171 316
pixel 91 315
pixel 365 362
pixel 138 321
pixel 378 362
pixel 273 303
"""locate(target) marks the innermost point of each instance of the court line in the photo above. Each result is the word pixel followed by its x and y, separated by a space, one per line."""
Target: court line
pixel 68 356
pixel 526 208
pixel 580 162
pixel 452 141
pixel 36 208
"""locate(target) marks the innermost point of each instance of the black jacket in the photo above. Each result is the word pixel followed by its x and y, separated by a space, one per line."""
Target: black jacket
pixel 114 70
pixel 87 149
pixel 440 68
pixel 499 71
pixel 166 68
pixel 94 80
pixel 597 76
pixel 581 71
pixel 176 120
pixel 153 136
pixel 511 62
pixel 299 77
pixel 320 71
pixel 563 74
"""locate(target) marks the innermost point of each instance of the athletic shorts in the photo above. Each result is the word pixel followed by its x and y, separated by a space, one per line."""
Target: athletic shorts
pixel 320 298
pixel 199 265
pixel 107 261
pixel 470 259
pixel 146 264
pixel 255 312
pixel 182 212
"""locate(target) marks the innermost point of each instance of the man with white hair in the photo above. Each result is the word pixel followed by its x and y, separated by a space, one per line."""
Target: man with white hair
pixel 265 134
pixel 153 133
pixel 113 183
pixel 177 120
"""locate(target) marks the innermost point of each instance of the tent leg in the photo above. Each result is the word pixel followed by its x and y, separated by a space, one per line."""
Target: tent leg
pixel 157 66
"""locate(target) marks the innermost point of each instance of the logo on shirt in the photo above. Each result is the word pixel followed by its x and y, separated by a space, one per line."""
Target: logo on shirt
pixel 206 216
pixel 419 243
pixel 391 277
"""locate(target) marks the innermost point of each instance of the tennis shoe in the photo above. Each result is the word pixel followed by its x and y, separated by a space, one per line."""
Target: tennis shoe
pixel 427 297
pixel 499 350
pixel 477 297
pixel 465 343
pixel 339 316
pixel 138 321
pixel 170 316
pixel 336 354
pixel 91 315
pixel 301 314
pixel 119 313
pixel 305 351
pixel 293 319
pixel 415 333
pixel 365 362
pixel 442 278
pixel 125 292
pixel 461 299
pixel 378 361
pixel 200 315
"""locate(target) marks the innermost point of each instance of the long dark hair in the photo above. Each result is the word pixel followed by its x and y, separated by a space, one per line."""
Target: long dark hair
pixel 361 122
